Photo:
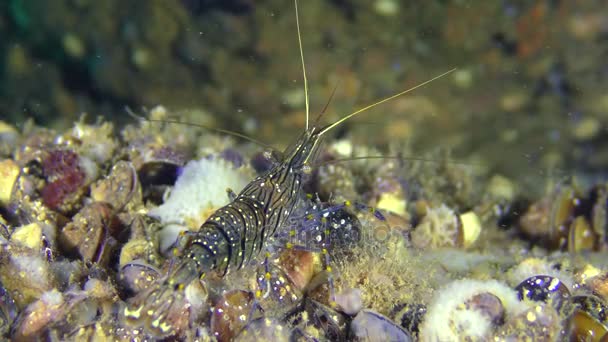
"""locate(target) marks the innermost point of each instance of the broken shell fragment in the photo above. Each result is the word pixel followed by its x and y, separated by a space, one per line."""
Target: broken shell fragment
pixel 9 171
pixel 471 228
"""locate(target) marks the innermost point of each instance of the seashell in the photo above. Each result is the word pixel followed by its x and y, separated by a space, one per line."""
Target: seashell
pixel 372 326
pixel 231 314
pixel 488 305
pixel 543 288
pixel 328 323
pixel 138 276
pixel 584 327
pixel 9 171
pixel 264 329
pixel 471 228
pixel 120 188
pixel 29 236
pixel 90 233
pixel 299 266
pixel 580 236
pixel 37 316
pixel 550 218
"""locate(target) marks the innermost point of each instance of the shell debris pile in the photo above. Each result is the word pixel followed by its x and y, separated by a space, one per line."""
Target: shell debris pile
pixel 85 227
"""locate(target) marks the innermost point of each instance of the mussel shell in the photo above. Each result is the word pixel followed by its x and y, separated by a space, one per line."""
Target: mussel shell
pixel 581 236
pixel 584 327
pixel 137 276
pixel 372 326
pixel 330 323
pixel 231 314
pixel 159 173
pixel 543 288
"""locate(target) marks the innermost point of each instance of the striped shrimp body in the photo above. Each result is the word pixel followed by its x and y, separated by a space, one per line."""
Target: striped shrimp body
pixel 237 232
pixel 232 236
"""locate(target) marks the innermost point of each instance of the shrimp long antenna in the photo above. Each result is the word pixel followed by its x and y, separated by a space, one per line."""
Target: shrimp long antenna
pixel 303 65
pixel 401 158
pixel 211 129
pixel 329 127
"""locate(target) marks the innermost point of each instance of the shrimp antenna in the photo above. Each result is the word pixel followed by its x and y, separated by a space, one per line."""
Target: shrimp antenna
pixel 402 158
pixel 329 127
pixel 303 65
pixel 333 92
pixel 211 129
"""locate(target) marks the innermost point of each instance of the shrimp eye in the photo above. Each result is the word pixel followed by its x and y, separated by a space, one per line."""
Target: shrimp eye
pixel 306 169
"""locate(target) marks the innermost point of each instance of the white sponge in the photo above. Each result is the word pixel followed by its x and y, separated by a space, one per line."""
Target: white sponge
pixel 198 192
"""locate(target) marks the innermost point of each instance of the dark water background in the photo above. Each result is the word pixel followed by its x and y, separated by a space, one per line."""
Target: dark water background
pixel 529 97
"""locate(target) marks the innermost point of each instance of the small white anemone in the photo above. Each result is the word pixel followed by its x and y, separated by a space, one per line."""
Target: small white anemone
pixel 198 192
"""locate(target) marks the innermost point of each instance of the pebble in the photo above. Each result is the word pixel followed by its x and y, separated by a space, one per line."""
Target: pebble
pixel 349 301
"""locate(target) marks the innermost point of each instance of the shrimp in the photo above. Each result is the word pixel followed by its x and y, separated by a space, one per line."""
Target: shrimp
pixel 239 231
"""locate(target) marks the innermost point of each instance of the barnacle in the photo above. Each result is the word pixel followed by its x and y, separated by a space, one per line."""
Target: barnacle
pixel 439 228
